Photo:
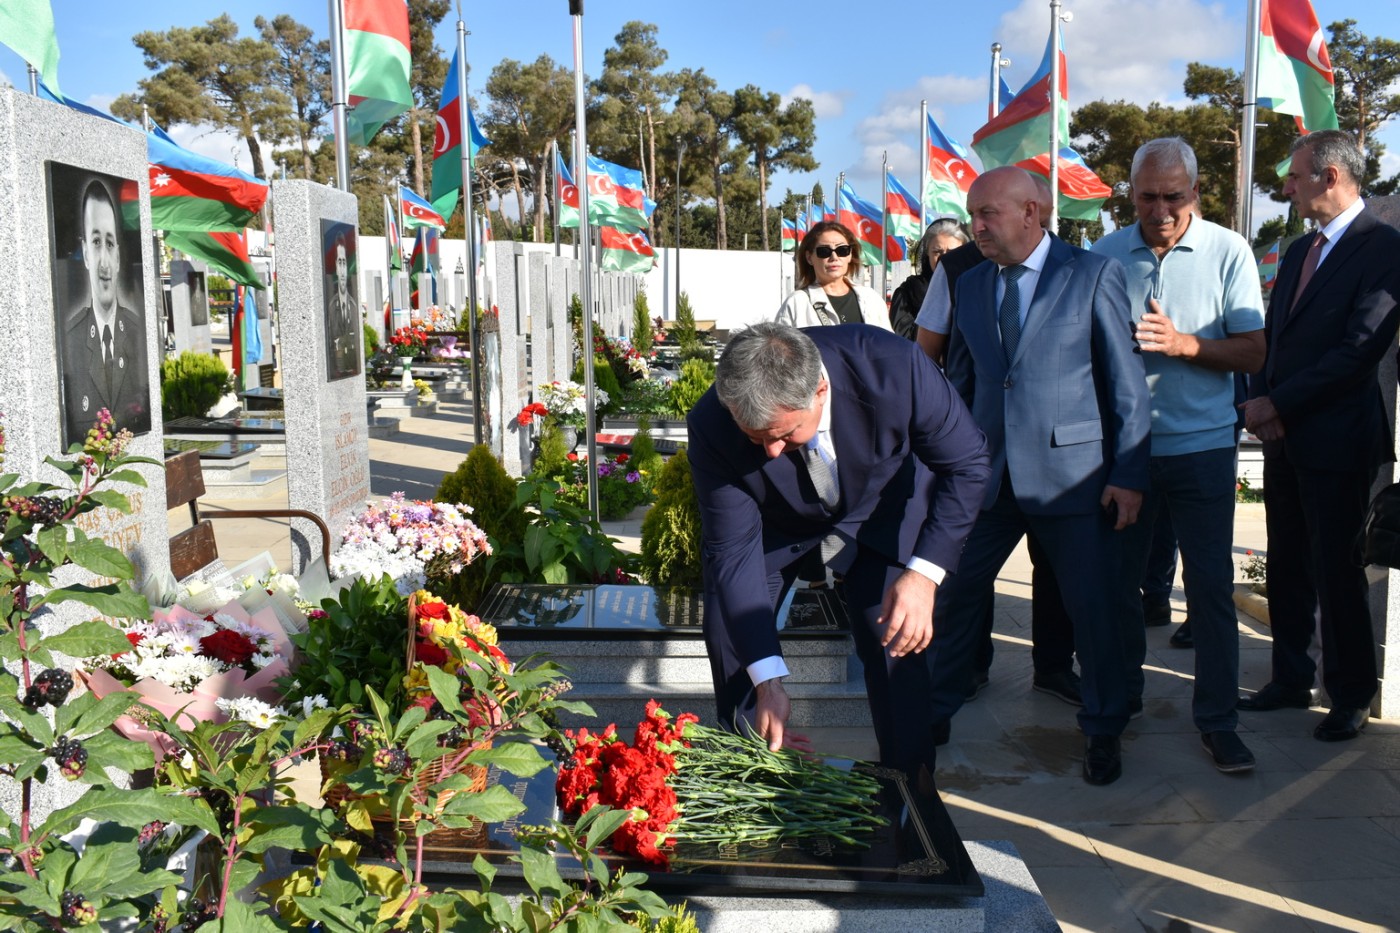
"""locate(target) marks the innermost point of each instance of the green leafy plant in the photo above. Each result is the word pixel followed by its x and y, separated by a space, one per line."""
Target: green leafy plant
pixel 620 487
pixel 697 375
pixel 351 643
pixel 605 379
pixel 646 397
pixel 481 482
pixel 562 544
pixel 371 342
pixel 191 384
pixel 1244 492
pixel 641 324
pixel 645 460
pixel 671 529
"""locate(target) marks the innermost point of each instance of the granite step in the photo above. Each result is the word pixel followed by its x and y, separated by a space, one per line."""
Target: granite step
pixel 675 660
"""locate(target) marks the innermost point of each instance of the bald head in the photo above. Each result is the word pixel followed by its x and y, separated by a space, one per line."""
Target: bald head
pixel 1006 207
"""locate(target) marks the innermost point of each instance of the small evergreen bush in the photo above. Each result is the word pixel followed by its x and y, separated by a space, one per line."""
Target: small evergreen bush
pixel 697 375
pixel 671 529
pixel 371 341
pixel 191 384
pixel 603 378
pixel 641 325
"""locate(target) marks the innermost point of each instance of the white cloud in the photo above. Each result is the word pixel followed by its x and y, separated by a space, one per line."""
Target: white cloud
pixel 215 142
pixel 826 104
pixel 894 128
pixel 1134 50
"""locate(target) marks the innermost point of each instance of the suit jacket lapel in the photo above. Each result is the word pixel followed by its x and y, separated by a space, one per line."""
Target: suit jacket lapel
pixel 1053 279
pixel 1342 250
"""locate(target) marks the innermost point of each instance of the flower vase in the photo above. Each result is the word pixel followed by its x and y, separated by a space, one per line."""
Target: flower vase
pixel 570 436
pixel 407 381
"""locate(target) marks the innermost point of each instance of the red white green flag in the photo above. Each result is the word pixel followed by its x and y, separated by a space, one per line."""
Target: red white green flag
pixel 1295 73
pixel 565 192
pixel 377 63
pixel 949 174
pixel 27 28
pixel 1268 265
pixel 224 250
pixel 626 251
pixel 1022 129
pixel 447 145
pixel 1082 193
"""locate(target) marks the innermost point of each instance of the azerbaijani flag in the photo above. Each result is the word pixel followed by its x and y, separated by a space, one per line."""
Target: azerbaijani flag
pixel 1081 192
pixel 424 246
pixel 392 239
pixel 417 212
pixel 565 192
pixel 903 209
pixel 863 219
pixel 1022 129
pixel 625 250
pixel 790 235
pixel 829 213
pixel 802 225
pixel 1295 73
pixel 224 250
pixel 617 196
pixel 193 192
pixel 950 175
pixel 377 64
pixel 188 191
pixel 1268 265
pixel 27 28
pixel 447 145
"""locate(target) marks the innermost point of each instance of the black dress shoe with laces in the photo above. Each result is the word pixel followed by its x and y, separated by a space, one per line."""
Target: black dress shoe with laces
pixel 1341 723
pixel 1063 685
pixel 1230 754
pixel 1103 759
pixel 1272 696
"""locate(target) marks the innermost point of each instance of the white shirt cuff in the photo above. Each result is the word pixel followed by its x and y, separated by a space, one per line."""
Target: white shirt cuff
pixel 928 569
pixel 766 669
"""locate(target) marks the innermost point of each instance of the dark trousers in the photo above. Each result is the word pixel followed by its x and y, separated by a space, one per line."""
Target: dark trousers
pixel 1083 554
pixel 897 689
pixel 1160 575
pixel 1315 575
pixel 1196 493
pixel 1052 633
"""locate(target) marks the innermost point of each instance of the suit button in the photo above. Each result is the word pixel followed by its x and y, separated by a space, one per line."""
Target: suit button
pixel 1007 384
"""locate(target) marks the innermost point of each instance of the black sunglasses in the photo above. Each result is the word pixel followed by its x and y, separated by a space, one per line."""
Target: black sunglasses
pixel 824 252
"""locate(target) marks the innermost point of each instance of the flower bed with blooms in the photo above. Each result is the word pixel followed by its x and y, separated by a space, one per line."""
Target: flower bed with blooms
pixel 688 783
pixel 565 402
pixel 411 340
pixel 626 360
pixel 620 488
pixel 411 540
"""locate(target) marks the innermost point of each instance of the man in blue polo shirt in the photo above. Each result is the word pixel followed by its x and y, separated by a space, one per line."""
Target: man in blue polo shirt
pixel 1194 288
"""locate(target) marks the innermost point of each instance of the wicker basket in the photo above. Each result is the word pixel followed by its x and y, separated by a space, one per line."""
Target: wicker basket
pixel 336 794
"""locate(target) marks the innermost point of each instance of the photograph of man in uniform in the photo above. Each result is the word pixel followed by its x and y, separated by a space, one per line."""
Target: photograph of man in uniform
pixel 199 300
pixel 99 303
pixel 342 301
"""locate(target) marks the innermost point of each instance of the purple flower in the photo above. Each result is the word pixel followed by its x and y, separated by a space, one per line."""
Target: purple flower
pixel 605 469
pixel 633 476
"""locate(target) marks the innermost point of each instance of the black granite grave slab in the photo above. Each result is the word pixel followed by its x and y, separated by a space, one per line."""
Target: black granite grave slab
pixel 188 424
pixel 209 450
pixel 917 854
pixel 583 611
pixel 261 399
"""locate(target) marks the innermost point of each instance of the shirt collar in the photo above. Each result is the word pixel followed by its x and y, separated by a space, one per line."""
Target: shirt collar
pixel 1334 230
pixel 824 426
pixel 1036 260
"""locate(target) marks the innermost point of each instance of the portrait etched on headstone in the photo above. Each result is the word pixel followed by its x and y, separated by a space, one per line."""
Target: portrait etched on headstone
pixel 199 300
pixel 99 300
pixel 342 300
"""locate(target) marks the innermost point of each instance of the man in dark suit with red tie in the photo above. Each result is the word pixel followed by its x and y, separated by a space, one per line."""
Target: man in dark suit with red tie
pixel 1318 409
pixel 848 439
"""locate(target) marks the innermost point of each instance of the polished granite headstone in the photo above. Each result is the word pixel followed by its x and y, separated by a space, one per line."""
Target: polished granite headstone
pixel 917 853
pixel 637 611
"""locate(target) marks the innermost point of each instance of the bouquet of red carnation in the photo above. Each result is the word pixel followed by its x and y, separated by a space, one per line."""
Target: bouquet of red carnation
pixel 688 783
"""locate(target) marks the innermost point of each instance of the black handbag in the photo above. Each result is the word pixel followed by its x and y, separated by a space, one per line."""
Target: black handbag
pixel 1380 535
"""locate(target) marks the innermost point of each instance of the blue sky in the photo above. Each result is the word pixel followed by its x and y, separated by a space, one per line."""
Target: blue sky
pixel 865 71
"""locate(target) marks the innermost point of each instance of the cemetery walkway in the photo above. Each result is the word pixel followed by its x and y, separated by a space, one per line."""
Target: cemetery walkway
pixel 1309 841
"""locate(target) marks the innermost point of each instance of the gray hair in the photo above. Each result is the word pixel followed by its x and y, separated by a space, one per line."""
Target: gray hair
pixel 943 226
pixel 1166 152
pixel 1332 147
pixel 767 369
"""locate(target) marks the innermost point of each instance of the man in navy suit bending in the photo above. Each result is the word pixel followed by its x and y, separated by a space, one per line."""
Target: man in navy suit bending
pixel 848 439
pixel 1042 351
pixel 1318 409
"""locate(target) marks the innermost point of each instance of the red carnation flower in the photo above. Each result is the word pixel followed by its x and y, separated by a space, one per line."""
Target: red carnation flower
pixel 430 654
pixel 228 647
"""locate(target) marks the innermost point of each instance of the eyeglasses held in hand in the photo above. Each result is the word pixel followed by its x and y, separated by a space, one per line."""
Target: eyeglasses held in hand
pixel 824 252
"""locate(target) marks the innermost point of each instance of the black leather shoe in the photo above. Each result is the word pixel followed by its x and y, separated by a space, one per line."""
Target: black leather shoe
pixel 1063 685
pixel 1341 723
pixel 1230 754
pixel 1181 638
pixel 1103 759
pixel 1272 696
pixel 980 679
pixel 1155 614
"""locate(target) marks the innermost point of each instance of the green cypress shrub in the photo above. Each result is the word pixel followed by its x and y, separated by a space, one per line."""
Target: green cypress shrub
pixel 641 325
pixel 645 460
pixel 697 375
pixel 671 529
pixel 482 483
pixel 603 378
pixel 371 341
pixel 191 384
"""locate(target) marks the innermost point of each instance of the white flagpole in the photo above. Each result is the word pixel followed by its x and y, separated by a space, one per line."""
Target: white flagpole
pixel 338 97
pixel 1054 116
pixel 923 165
pixel 998 63
pixel 885 223
pixel 469 226
pixel 1244 210
pixel 585 278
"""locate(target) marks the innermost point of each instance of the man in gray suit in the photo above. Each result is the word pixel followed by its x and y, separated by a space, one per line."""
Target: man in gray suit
pixel 1042 352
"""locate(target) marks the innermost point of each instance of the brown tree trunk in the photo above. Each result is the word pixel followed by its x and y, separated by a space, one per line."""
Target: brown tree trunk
pixel 519 192
pixel 721 233
pixel 255 150
pixel 417 137
pixel 543 191
pixel 763 201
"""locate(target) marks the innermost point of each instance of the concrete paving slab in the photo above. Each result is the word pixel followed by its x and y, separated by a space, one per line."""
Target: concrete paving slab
pixel 1353 905
pixel 1280 795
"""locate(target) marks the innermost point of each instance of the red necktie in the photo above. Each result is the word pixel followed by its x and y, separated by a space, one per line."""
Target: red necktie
pixel 1309 267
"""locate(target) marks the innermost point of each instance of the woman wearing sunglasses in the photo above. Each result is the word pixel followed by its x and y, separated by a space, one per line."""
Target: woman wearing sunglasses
pixel 827 263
